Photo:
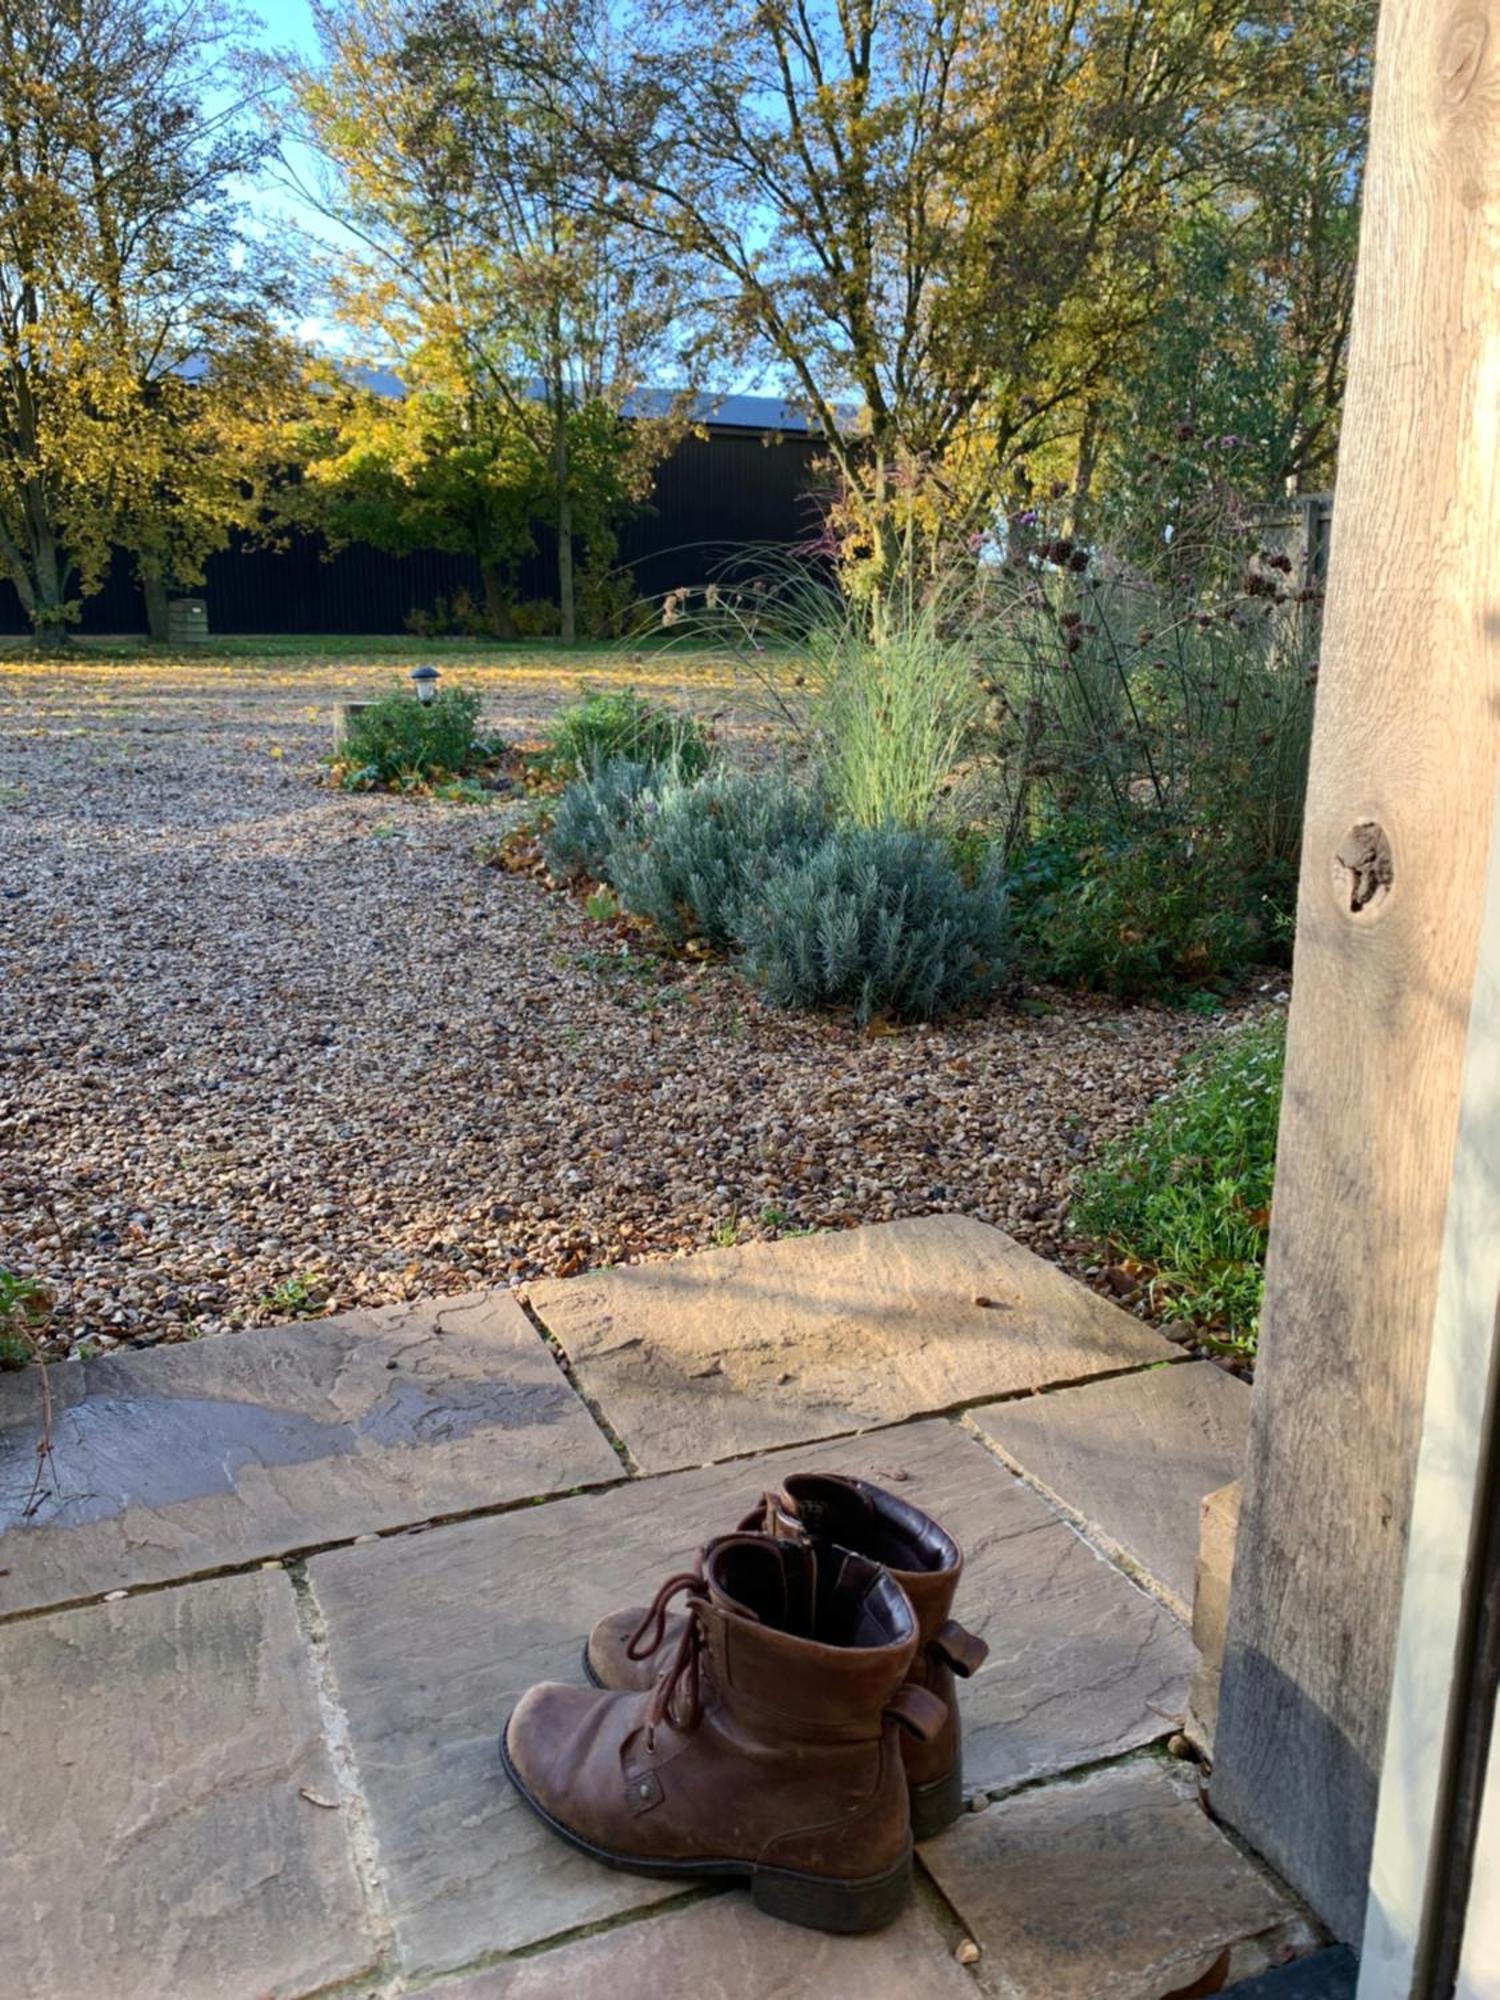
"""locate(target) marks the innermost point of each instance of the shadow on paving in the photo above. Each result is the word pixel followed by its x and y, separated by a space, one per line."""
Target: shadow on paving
pixel 286 1779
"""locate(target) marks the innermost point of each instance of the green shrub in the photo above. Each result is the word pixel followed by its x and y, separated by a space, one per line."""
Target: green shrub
pixel 462 617
pixel 607 600
pixel 399 740
pixel 536 618
pixel 876 919
pixel 25 1307
pixel 1139 907
pixel 590 811
pixel 687 854
pixel 1148 731
pixel 621 723
pixel 1188 1194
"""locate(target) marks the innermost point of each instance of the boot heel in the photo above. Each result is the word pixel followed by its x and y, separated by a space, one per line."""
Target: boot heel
pixel 821 1905
pixel 937 1805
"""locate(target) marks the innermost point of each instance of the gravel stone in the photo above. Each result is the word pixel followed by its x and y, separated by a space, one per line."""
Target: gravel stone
pixel 253 1031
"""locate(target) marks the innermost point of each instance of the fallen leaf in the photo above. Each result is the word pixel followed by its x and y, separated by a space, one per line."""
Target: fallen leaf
pixel 1211 1981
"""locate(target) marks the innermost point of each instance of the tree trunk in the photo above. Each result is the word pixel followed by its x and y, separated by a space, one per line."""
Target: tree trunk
pixel 497 604
pixel 154 590
pixel 1083 470
pixel 565 592
pixel 48 607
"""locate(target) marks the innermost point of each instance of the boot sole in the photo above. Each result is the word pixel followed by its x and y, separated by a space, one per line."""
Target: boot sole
pixel 813 1901
pixel 933 1806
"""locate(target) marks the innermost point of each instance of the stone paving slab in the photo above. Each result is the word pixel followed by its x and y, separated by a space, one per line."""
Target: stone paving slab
pixel 1134 1458
pixel 178 1460
pixel 744 1349
pixel 725 1950
pixel 433 1637
pixel 1112 1887
pixel 157 1846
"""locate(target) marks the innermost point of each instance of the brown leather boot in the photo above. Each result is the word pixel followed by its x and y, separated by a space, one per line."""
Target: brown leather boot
pixel 925 1560
pixel 767 1747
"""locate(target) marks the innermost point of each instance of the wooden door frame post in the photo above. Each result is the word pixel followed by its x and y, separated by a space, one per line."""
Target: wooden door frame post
pixel 1405 754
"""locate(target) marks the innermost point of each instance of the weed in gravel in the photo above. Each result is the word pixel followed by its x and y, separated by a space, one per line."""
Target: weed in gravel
pixel 299 1298
pixel 25 1308
pixel 1187 1196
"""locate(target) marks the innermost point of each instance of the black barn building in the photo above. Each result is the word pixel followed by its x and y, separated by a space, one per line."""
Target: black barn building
pixel 753 479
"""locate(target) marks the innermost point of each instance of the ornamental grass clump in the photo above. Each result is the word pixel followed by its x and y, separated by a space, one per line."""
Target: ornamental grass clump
pixel 1187 1196
pixel 691 850
pixel 590 813
pixel 876 919
pixel 895 704
pixel 401 741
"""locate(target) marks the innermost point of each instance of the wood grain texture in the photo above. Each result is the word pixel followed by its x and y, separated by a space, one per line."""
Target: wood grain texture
pixel 1407 737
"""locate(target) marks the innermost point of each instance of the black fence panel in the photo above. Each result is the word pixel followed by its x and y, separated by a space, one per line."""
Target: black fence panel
pixel 712 498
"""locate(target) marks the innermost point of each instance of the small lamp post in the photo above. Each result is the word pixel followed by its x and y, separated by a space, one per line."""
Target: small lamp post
pixel 425 680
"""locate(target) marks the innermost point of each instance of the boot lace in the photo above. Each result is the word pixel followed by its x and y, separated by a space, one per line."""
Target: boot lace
pixel 681 1674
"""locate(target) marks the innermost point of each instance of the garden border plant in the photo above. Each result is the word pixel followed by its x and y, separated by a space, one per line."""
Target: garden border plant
pixel 1186 1197
pixel 748 865
pixel 398 743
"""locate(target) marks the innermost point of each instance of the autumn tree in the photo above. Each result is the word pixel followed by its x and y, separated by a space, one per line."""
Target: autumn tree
pixel 141 367
pixel 935 219
pixel 437 467
pixel 477 260
pixel 1241 370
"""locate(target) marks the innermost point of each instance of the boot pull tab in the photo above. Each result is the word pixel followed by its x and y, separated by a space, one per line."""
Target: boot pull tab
pixel 778 1516
pixel 963 1651
pixel 919 1713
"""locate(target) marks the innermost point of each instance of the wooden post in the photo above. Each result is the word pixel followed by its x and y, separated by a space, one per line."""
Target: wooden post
pixel 1433 1771
pixel 1405 756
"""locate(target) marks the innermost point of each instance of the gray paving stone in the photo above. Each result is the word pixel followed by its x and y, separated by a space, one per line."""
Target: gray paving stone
pixel 725 1950
pixel 1134 1458
pixel 1218 1532
pixel 744 1349
pixel 1112 1887
pixel 433 1637
pixel 178 1460
pixel 157 1847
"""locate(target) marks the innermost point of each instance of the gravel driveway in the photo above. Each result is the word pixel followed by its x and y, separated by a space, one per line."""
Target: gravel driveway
pixel 255 1035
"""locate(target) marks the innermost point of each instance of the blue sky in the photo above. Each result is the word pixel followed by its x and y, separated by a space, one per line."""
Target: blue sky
pixel 286 22
pixel 289 23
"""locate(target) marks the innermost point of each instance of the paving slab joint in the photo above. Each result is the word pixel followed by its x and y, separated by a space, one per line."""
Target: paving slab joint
pixel 436 1984
pixel 1104 1546
pixel 350 1801
pixel 981 1800
pixel 595 1409
pixel 942 1914
pixel 303 1552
